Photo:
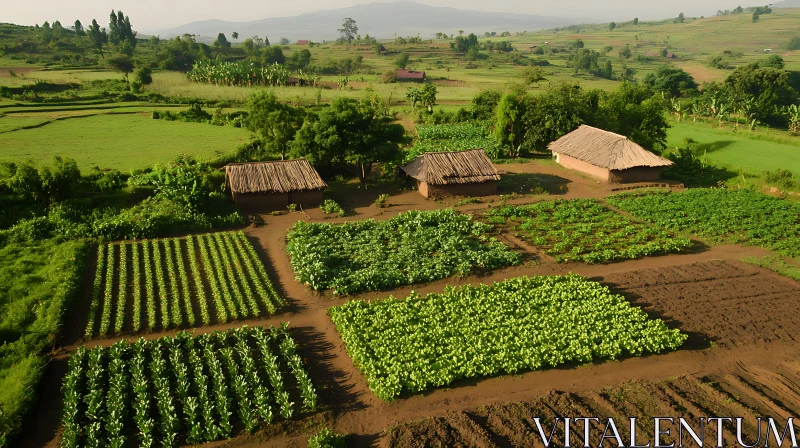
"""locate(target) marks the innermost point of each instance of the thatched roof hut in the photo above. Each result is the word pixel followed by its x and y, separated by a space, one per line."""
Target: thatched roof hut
pixel 460 173
pixel 274 184
pixel 607 156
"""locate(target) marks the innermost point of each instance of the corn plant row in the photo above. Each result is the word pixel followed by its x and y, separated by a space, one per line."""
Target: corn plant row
pixel 175 294
pixel 70 391
pixel 162 285
pixel 96 288
pixel 198 281
pixel 231 268
pixel 150 293
pixel 116 403
pixel 184 279
pixel 289 352
pixel 524 323
pixel 179 390
pixel 137 290
pixel 255 270
pixel 224 281
pixel 166 291
pixel 108 298
pixel 123 287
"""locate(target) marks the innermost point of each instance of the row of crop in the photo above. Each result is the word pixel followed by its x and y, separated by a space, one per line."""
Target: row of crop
pixel 160 282
pixel 519 324
pixel 183 389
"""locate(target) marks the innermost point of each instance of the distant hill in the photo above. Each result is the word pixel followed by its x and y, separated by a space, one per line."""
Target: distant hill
pixel 787 4
pixel 380 20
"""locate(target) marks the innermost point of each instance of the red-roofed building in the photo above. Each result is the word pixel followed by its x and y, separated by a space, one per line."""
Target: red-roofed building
pixel 410 76
pixel 302 42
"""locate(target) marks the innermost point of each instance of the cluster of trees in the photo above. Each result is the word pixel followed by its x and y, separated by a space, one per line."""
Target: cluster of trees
pixel 760 92
pixel 524 123
pixel 353 134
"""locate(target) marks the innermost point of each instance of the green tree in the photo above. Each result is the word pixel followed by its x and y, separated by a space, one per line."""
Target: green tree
pixel 794 43
pixel 235 35
pixel 113 29
pixel 78 27
pixel 122 64
pixel 672 81
pixel 557 112
pixel 462 44
pixel 351 134
pixel 273 55
pixel 222 41
pixel 484 104
pixel 508 128
pixel 680 18
pixel 533 75
pixel 144 76
pixel 402 60
pixel 612 26
pixel 770 88
pixel 632 110
pixel 626 52
pixel 636 21
pixel 274 122
pixel 98 37
pixel 349 29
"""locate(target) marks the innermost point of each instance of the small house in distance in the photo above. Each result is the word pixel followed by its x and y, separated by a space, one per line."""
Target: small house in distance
pixel 460 173
pixel 302 42
pixel 608 157
pixel 274 185
pixel 410 76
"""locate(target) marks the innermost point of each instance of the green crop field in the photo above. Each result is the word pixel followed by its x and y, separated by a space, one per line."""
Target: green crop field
pixel 122 142
pixel 584 230
pixel 161 284
pixel 183 390
pixel 508 327
pixel 740 150
pixel 720 215
pixel 414 247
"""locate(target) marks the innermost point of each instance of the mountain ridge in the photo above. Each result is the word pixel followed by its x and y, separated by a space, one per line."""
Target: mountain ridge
pixel 380 20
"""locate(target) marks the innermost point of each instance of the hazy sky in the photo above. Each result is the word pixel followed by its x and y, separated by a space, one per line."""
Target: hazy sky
pixel 149 15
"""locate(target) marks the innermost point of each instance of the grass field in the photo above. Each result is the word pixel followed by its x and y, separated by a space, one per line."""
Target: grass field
pixel 121 142
pixel 740 150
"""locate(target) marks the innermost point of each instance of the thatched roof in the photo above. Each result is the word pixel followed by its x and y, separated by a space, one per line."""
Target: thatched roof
pixel 449 168
pixel 605 149
pixel 273 177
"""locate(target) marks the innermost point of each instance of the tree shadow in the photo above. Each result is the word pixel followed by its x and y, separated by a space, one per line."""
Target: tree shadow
pixel 696 340
pixel 353 195
pixel 331 382
pixel 701 148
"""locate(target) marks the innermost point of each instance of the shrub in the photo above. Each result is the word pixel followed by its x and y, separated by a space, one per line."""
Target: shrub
pixel 329 206
pixel 326 438
pixel 381 201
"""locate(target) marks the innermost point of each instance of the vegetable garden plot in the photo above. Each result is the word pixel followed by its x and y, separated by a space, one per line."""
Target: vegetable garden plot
pixel 525 323
pixel 584 230
pixel 181 389
pixel 721 215
pixel 414 247
pixel 178 282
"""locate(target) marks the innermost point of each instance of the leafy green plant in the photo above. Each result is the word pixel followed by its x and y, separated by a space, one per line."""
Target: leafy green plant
pixel 520 324
pixel 382 201
pixel 584 230
pixel 413 247
pixel 327 438
pixel 223 268
pixel 721 216
pixel 329 207
pixel 196 389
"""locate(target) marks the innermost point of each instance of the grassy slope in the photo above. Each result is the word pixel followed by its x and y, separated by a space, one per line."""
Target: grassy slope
pixel 740 150
pixel 123 142
pixel 37 283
